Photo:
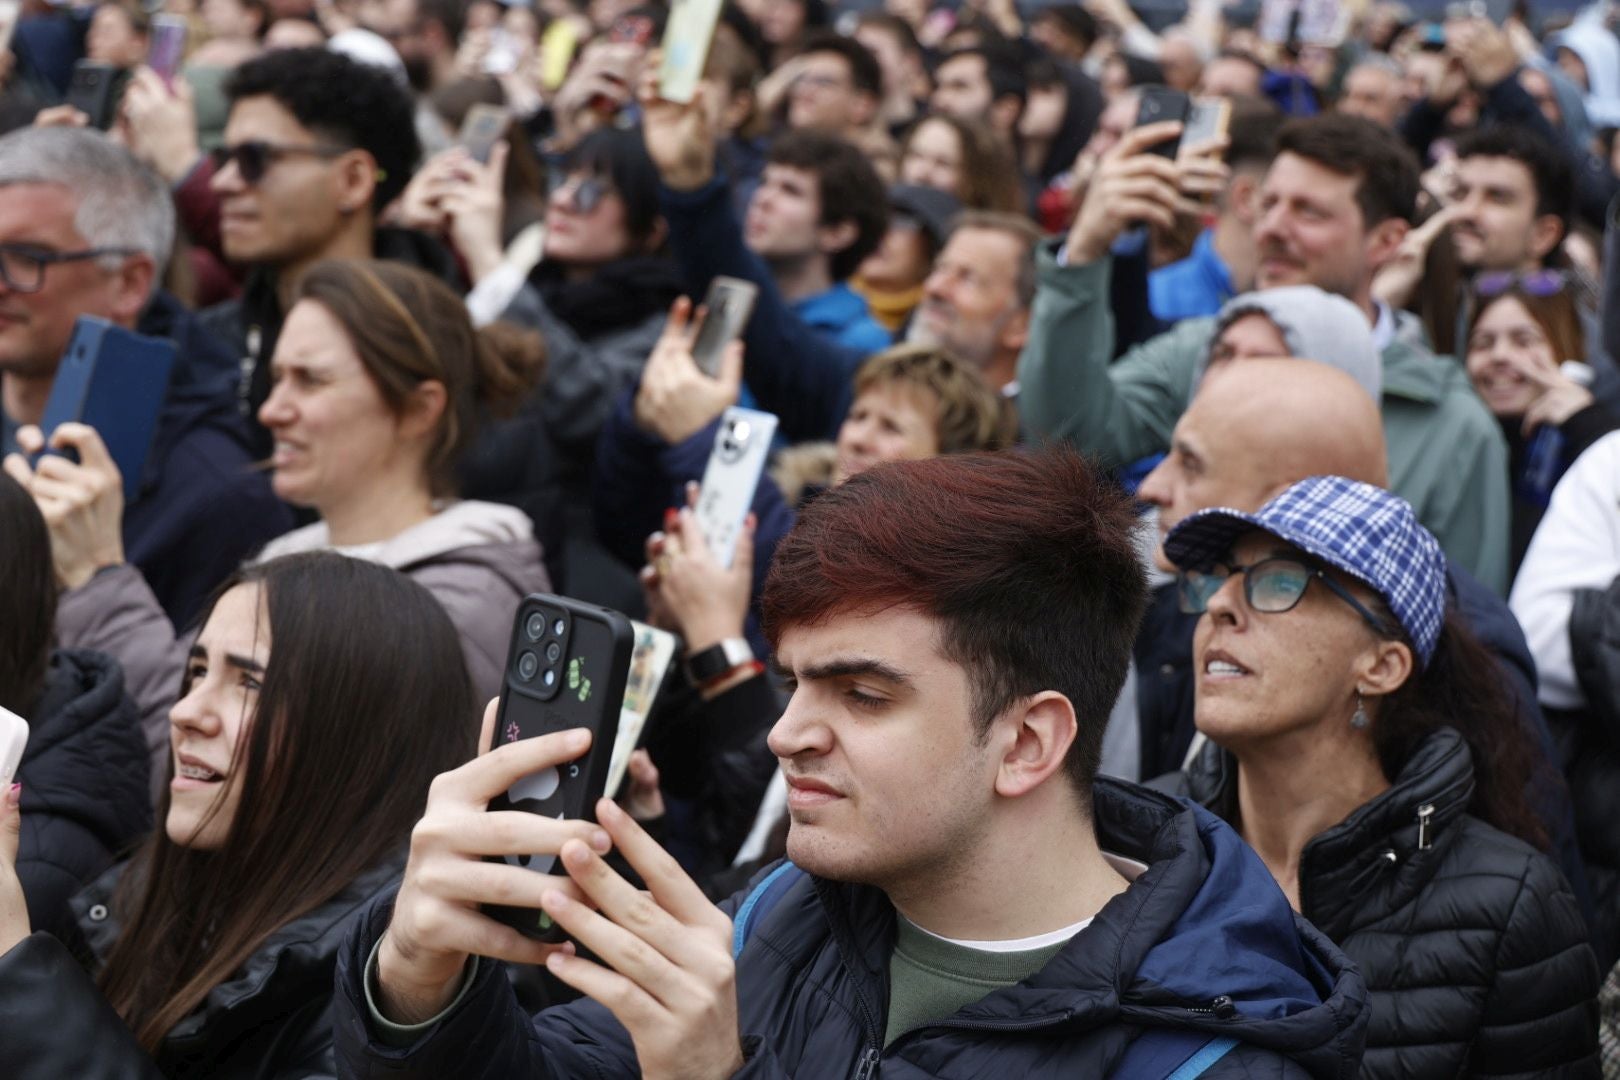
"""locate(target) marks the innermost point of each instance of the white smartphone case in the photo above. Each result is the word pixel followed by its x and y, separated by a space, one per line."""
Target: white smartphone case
pixel 13 737
pixel 741 447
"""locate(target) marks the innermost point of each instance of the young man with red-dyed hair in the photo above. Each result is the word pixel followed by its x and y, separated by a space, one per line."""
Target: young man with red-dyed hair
pixel 964 897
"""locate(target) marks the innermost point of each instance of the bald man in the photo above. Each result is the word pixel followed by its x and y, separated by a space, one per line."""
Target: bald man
pixel 1255 427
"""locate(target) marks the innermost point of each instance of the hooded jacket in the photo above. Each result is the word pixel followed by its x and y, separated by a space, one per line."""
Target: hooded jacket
pixel 1446 455
pixel 1599 51
pixel 84 778
pixel 1315 325
pixel 1473 947
pixel 1202 941
pixel 477 559
pixel 270 1020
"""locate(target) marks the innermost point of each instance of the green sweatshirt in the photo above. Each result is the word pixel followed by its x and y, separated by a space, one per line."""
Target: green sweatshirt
pixel 1446 454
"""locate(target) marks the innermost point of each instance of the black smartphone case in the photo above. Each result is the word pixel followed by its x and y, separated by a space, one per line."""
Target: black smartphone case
pixel 589 672
pixel 1160 103
pixel 96 90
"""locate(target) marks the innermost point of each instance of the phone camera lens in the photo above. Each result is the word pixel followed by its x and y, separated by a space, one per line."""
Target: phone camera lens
pixel 528 664
pixel 551 678
pixel 558 627
pixel 553 653
pixel 535 627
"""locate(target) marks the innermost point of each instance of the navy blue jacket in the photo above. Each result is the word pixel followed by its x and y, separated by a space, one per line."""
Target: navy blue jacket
pixel 1164 665
pixel 792 371
pixel 1203 924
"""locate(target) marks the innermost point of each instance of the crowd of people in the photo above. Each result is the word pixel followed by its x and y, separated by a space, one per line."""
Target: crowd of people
pixel 1175 633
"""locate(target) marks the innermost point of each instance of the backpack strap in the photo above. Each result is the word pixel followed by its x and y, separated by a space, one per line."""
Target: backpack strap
pixel 759 903
pixel 1158 1054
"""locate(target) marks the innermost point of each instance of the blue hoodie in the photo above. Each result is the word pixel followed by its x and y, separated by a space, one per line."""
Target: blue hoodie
pixel 1203 941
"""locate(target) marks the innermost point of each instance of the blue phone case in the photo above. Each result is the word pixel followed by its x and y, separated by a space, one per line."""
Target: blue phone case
pixel 114 380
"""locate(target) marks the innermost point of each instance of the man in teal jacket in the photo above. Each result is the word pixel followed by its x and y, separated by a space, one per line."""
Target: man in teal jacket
pixel 1335 206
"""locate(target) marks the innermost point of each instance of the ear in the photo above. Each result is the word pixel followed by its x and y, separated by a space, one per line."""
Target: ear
pixel 1384 242
pixel 132 288
pixel 1016 332
pixel 832 239
pixel 1546 233
pixel 1035 737
pixel 424 406
pixel 1384 668
pixel 357 177
pixel 1241 197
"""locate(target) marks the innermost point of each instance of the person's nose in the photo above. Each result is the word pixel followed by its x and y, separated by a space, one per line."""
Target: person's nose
pixel 227 178
pixel 1155 486
pixel 277 410
pixel 1227 606
pixel 799 731
pixel 195 713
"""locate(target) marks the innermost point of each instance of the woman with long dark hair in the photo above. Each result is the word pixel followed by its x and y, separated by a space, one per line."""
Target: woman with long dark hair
pixel 1364 745
pixel 321 698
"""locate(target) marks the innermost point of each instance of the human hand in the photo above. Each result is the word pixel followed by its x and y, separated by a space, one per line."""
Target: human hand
pixel 420 205
pixel 1484 50
pixel 1204 173
pixel 436 922
pixel 1129 187
pixel 159 123
pixel 1396 281
pixel 676 400
pixel 705 601
pixel 666 971
pixel 643 799
pixel 83 504
pixel 14 925
pixel 599 85
pixel 679 137
pixel 1561 397
pixel 474 204
pixel 61 116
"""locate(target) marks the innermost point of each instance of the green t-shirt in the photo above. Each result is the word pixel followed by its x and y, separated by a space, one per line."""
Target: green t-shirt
pixel 930 978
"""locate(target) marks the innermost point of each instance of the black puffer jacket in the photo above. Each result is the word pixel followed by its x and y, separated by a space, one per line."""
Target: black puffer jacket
pixel 85 797
pixel 1473 948
pixel 271 1020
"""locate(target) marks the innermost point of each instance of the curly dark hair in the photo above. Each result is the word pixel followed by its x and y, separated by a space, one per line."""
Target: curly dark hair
pixel 850 190
pixel 353 104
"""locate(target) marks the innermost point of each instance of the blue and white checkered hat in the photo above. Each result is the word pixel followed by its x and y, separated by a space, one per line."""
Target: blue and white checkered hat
pixel 1362 530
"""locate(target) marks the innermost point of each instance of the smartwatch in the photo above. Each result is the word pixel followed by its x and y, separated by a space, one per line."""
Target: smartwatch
pixel 718 660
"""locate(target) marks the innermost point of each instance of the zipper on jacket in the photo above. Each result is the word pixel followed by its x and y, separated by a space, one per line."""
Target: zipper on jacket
pixel 1223 1007
pixel 868 1066
pixel 1424 815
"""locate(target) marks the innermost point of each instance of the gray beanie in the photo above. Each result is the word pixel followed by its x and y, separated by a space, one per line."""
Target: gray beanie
pixel 1315 325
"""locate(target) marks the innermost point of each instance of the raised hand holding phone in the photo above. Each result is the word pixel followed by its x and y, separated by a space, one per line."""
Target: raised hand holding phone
pixel 1132 185
pixel 82 502
pixel 676 400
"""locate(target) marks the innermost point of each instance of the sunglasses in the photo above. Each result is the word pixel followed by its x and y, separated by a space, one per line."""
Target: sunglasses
pixel 587 192
pixel 254 157
pixel 1271 586
pixel 1537 283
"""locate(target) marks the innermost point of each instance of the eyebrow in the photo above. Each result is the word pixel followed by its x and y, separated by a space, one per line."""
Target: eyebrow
pixel 844 667
pixel 245 663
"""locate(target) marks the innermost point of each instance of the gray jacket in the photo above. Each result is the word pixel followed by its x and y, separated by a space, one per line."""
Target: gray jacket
pixel 477 559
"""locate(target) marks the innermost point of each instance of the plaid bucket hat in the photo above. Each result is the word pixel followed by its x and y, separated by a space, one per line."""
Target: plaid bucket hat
pixel 1362 530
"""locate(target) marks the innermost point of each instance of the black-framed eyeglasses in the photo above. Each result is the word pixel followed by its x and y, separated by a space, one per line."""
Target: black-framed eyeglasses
pixel 1537 283
pixel 587 192
pixel 255 156
pixel 1271 586
pixel 22 266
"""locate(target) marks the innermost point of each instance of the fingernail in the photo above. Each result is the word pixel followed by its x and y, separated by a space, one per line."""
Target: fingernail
pixel 601 841
pixel 579 739
pixel 551 900
pixel 575 854
pixel 14 795
pixel 557 959
pixel 670 516
pixel 607 808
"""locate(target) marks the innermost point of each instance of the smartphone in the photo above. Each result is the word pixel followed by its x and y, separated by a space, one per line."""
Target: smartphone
pixel 1207 118
pixel 114 380
pixel 649 663
pixel 168 46
pixel 13 738
pixel 566 667
pixel 482 128
pixel 95 90
pixel 1160 103
pixel 687 36
pixel 726 310
pixel 741 447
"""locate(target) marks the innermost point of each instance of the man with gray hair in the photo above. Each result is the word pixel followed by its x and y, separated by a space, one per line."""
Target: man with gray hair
pixel 85 229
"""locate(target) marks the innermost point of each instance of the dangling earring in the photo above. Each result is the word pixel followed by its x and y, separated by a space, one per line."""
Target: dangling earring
pixel 1359 719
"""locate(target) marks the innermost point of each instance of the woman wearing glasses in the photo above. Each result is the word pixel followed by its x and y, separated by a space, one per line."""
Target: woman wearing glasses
pixel 1523 342
pixel 1361 742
